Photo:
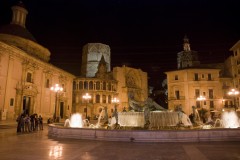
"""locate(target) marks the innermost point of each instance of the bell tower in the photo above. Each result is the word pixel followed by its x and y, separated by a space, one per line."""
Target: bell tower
pixel 187 58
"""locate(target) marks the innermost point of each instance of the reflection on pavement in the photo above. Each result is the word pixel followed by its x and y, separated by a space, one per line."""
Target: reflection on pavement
pixel 55 151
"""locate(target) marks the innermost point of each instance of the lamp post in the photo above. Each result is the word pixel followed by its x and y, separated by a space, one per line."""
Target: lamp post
pixel 56 88
pixel 201 98
pixel 115 101
pixel 234 93
pixel 86 97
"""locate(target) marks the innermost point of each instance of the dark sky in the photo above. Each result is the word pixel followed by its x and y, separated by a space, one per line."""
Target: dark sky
pixel 145 34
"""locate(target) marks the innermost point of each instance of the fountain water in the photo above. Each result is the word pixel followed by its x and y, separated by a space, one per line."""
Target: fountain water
pixel 75 121
pixel 230 119
pixel 99 118
pixel 157 119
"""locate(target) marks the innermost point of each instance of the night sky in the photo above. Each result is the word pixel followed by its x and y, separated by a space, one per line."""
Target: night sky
pixel 141 34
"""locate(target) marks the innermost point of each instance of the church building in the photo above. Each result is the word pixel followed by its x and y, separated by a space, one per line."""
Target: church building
pixel 26 75
pixel 29 84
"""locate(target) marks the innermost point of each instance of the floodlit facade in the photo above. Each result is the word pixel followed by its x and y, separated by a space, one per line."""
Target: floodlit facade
pixel 203 85
pixel 186 85
pixel 103 85
pixel 26 76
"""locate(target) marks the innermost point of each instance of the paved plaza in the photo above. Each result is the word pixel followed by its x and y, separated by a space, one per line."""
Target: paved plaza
pixel 38 146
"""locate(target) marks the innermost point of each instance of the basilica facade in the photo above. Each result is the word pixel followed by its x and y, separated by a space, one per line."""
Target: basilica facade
pixel 26 76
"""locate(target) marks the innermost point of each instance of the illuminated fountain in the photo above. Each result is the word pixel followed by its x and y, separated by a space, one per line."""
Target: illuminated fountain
pixel 133 127
pixel 157 119
pixel 229 119
pixel 75 121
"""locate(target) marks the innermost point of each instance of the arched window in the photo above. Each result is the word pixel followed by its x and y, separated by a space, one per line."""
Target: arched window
pixel 114 87
pixel 104 85
pixel 109 86
pixel 29 77
pixel 85 84
pixel 97 98
pixel 80 85
pixel 91 85
pixel 74 85
pixel 98 85
pixel 104 100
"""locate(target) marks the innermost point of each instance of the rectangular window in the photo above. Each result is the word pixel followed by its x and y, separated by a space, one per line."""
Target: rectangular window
pixel 177 94
pixel 209 77
pixel 211 104
pixel 109 99
pixel 176 77
pixel 47 83
pixel 195 76
pixel 210 93
pixel 204 103
pixel 197 92
pixel 198 104
pixel 11 102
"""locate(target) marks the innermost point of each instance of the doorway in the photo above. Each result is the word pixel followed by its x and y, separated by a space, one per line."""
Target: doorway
pixel 61 109
pixel 26 104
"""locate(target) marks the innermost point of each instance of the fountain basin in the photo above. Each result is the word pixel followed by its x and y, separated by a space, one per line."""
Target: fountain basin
pixel 200 135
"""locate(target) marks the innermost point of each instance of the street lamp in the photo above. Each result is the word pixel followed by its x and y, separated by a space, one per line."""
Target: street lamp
pixel 56 88
pixel 201 98
pixel 115 101
pixel 86 97
pixel 234 93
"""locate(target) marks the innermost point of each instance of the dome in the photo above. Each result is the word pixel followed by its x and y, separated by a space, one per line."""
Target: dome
pixel 17 30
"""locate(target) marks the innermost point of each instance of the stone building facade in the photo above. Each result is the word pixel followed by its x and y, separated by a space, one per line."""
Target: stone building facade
pixel 92 55
pixel 193 80
pixel 26 76
pixel 103 85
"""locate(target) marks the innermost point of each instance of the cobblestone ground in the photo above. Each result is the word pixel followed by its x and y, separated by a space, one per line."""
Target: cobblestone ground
pixel 38 146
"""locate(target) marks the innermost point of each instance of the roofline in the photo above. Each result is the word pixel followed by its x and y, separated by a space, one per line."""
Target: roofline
pixel 236 45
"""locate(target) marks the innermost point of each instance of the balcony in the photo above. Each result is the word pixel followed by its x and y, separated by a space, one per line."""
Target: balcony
pixel 175 98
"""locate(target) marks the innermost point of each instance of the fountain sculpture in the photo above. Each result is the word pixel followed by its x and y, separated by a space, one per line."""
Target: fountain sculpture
pixel 149 122
pixel 150 115
pixel 147 114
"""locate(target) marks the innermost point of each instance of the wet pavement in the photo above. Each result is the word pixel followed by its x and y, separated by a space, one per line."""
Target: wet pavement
pixel 38 146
